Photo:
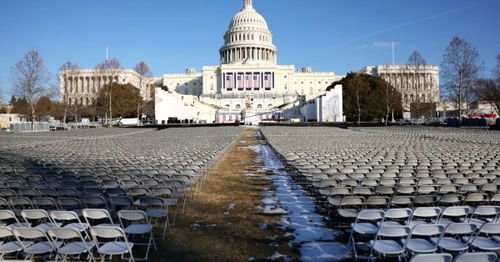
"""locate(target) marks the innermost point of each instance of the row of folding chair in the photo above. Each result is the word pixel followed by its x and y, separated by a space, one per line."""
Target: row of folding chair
pixel 434 214
pixel 410 181
pixel 455 238
pixel 381 228
pixel 43 232
pixel 489 190
pixel 464 257
pixel 363 202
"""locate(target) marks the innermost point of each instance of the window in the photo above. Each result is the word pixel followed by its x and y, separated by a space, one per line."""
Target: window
pixel 238 106
pixel 259 106
pixel 227 106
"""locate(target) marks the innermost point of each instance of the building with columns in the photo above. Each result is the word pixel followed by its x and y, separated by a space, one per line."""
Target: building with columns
pixel 415 83
pixel 249 85
pixel 83 85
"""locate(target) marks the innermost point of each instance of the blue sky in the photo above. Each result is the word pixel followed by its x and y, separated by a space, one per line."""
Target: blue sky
pixel 329 35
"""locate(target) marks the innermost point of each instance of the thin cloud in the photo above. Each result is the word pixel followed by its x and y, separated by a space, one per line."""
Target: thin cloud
pixel 421 20
pixel 383 44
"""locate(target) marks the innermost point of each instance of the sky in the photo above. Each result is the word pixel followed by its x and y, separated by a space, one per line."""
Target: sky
pixel 170 36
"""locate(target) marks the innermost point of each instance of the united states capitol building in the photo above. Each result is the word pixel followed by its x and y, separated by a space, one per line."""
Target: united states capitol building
pixel 248 86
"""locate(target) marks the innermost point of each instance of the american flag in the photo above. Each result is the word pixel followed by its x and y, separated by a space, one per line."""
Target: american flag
pixel 248 81
pixel 229 81
pixel 256 81
pixel 268 81
pixel 240 81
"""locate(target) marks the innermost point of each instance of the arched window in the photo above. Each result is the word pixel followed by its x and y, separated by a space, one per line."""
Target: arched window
pixel 259 106
pixel 270 105
pixel 227 106
pixel 238 106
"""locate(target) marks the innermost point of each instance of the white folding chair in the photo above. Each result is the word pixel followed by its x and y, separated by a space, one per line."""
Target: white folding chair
pixel 92 216
pixel 70 220
pixel 423 215
pixel 487 237
pixel 385 243
pixel 72 243
pixel 156 209
pixel 7 216
pixel 396 217
pixel 38 218
pixel 365 224
pixel 350 206
pixel 135 223
pixel 484 214
pixel 476 257
pixel 9 244
pixel 116 242
pixel 419 240
pixel 440 257
pixel 41 244
pixel 456 237
pixel 454 214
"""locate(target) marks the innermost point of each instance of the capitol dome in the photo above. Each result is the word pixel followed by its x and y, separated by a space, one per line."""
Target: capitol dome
pixel 248 39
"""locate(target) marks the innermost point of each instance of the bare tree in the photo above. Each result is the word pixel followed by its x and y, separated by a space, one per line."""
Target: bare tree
pixel 66 71
pixel 391 95
pixel 109 69
pixel 488 90
pixel 417 62
pixel 359 87
pixel 460 69
pixel 142 69
pixel 29 77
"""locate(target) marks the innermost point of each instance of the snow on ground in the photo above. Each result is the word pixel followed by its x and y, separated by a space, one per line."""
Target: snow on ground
pixel 315 241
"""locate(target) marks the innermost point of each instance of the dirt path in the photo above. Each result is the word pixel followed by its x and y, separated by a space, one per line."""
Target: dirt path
pixel 221 224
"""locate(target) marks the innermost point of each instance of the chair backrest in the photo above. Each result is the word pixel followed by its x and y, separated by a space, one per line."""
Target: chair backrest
pixel 5 232
pixel 34 214
pixel 94 202
pixel 490 229
pixel 69 202
pixel 426 212
pixel 460 228
pixel 353 201
pixel 28 233
pixel 45 202
pixel 393 231
pixel 22 202
pixel 476 257
pixel 7 214
pixel 151 201
pixel 486 211
pixel 96 214
pixel 64 216
pixel 428 230
pixel 64 234
pixel 442 257
pixel 397 213
pixel 456 211
pixel 370 215
pixel 107 232
pixel 132 215
pixel 121 201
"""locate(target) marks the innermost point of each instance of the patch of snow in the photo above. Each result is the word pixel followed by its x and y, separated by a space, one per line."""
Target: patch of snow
pixel 315 241
pixel 276 256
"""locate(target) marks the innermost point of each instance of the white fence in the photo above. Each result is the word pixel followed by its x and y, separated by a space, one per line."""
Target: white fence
pixel 28 127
